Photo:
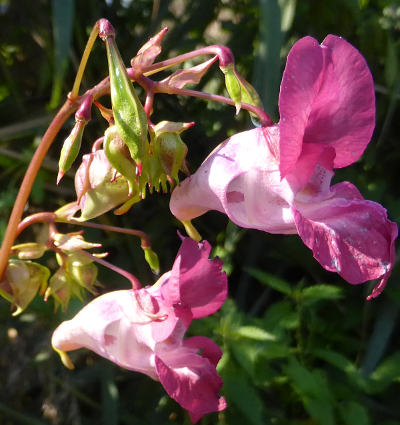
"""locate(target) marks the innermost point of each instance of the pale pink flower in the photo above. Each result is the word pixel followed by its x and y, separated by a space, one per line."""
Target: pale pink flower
pixel 143 330
pixel 277 179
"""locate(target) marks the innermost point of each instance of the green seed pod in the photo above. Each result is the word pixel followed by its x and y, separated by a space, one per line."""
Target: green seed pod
pixel 129 115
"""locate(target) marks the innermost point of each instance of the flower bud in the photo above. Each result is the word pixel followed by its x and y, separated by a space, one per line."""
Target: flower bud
pixel 60 289
pixel 169 148
pixel 117 153
pixel 23 279
pixel 152 259
pixel 29 251
pixel 72 143
pixel 239 89
pixel 232 86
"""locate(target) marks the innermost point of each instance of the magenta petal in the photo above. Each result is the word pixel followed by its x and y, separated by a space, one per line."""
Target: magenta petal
pixel 343 113
pixel 350 236
pixel 196 282
pixel 209 349
pixel 191 380
pixel 300 86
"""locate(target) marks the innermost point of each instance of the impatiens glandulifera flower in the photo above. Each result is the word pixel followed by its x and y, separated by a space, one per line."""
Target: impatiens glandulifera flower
pixel 277 179
pixel 143 329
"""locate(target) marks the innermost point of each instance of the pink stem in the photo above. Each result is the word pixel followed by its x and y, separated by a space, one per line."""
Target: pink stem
pixel 133 279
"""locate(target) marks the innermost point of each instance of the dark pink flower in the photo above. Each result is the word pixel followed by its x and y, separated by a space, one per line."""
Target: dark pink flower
pixel 277 179
pixel 143 330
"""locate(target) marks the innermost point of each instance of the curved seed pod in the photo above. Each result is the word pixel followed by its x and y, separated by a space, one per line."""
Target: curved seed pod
pixel 129 115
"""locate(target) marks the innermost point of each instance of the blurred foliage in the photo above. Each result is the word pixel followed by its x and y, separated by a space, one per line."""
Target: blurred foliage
pixel 300 345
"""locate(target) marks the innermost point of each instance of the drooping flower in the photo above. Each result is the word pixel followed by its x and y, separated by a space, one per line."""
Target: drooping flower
pixel 277 179
pixel 143 330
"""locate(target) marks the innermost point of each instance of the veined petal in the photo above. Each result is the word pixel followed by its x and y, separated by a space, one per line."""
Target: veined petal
pixel 343 113
pixel 349 235
pixel 191 379
pixel 300 86
pixel 196 282
pixel 327 97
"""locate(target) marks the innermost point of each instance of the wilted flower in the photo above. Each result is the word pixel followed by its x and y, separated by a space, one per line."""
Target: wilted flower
pixel 277 179
pixel 143 330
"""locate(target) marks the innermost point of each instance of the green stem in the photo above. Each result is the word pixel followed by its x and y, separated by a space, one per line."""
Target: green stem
pixel 88 48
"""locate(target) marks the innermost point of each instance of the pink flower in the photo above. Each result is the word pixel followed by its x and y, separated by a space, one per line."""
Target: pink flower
pixel 277 179
pixel 143 330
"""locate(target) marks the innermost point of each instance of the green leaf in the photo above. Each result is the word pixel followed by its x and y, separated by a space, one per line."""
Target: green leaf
pixel 322 292
pixel 242 393
pixel 353 413
pixel 256 333
pixel 281 316
pixel 313 390
pixel 385 374
pixel 270 280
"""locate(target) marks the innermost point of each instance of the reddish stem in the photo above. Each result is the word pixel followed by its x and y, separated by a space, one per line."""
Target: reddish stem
pixel 133 279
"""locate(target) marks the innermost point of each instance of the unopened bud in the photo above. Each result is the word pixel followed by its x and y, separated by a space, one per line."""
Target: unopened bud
pixel 152 259
pixel 232 86
pixel 72 143
pixel 23 279
pixel 117 153
pixel 29 251
pixel 240 90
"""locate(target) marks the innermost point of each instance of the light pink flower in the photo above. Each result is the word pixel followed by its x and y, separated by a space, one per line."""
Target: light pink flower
pixel 143 330
pixel 277 179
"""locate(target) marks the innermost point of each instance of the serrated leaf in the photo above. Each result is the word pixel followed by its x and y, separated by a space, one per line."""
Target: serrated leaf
pixel 268 279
